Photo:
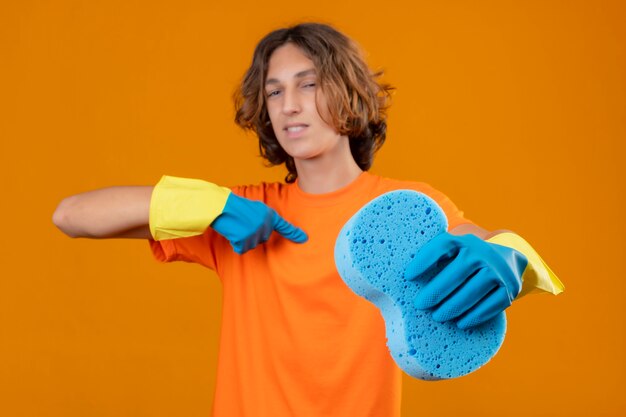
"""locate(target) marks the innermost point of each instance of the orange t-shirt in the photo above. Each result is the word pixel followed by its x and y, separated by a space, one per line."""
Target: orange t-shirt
pixel 295 340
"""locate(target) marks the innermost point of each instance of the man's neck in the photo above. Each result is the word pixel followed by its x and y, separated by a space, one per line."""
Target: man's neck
pixel 321 177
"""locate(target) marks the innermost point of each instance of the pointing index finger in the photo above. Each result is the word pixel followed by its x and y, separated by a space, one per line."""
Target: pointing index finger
pixel 288 230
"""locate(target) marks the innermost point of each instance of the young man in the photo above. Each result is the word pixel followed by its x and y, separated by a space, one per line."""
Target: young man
pixel 295 340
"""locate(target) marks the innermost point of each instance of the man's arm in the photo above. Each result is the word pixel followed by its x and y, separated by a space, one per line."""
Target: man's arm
pixel 174 208
pixel 114 212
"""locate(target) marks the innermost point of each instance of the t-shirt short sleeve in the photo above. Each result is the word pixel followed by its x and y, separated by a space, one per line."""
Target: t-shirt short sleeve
pixel 201 249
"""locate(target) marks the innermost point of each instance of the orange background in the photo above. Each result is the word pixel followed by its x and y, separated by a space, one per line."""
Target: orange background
pixel 516 111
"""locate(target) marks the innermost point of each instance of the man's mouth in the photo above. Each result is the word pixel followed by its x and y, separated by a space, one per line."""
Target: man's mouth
pixel 295 128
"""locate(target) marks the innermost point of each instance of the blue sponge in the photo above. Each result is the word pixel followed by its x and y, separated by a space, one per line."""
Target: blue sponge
pixel 371 253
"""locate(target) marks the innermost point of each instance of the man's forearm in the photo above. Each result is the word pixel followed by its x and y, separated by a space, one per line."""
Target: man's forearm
pixel 106 212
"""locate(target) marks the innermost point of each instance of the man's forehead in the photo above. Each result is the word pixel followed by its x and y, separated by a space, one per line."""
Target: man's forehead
pixel 272 79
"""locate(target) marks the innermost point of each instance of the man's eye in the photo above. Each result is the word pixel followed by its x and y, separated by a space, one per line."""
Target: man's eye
pixel 309 85
pixel 272 93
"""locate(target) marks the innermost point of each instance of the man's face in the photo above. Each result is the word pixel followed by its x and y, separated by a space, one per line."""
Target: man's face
pixel 293 98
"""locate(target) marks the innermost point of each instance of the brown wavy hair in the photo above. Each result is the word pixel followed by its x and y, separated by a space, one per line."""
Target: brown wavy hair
pixel 357 101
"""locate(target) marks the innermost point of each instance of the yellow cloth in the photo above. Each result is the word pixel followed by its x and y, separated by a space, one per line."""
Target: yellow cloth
pixel 182 207
pixel 537 276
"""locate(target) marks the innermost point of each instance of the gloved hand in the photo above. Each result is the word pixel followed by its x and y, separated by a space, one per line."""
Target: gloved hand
pixel 246 223
pixel 184 207
pixel 480 280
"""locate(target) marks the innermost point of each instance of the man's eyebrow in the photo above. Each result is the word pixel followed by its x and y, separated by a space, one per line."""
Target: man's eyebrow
pixel 298 75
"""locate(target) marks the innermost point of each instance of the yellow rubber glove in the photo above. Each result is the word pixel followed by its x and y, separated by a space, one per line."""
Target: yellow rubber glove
pixel 182 207
pixel 537 276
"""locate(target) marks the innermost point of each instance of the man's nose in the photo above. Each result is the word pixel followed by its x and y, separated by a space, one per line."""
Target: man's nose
pixel 291 102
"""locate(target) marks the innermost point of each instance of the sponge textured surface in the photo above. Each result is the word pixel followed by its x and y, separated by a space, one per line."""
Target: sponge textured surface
pixel 371 253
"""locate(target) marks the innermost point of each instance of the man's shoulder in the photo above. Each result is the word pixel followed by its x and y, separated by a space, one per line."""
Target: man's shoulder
pixel 391 184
